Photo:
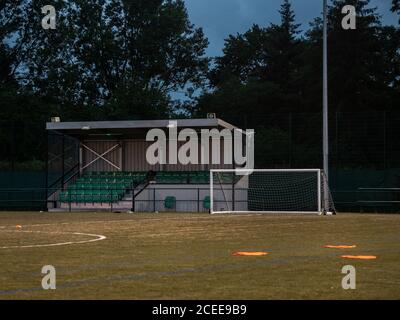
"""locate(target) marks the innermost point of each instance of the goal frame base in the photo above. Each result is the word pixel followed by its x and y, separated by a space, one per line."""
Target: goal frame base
pixel 266 212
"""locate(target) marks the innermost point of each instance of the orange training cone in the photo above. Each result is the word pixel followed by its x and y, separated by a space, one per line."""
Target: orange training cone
pixel 340 246
pixel 359 257
pixel 249 254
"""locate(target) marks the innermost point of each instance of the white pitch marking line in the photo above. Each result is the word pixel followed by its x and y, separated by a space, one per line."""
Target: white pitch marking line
pixel 98 237
pixel 133 220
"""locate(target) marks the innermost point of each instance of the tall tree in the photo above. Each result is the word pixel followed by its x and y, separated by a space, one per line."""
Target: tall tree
pixel 124 56
pixel 262 64
pixel 22 114
pixel 361 69
pixel 284 47
pixel 396 6
pixel 14 38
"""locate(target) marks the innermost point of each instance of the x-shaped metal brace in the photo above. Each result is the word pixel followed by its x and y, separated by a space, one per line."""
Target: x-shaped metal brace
pixel 101 156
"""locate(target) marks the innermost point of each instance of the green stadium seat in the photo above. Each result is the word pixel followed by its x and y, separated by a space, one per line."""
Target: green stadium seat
pixel 64 196
pixel 88 197
pixel 207 203
pixel 96 197
pixel 170 202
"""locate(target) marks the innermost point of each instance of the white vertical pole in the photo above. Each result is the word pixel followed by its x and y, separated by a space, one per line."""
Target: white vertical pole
pixel 325 107
pixel 211 192
pixel 319 191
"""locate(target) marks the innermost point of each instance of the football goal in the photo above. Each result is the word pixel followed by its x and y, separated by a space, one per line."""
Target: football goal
pixel 269 191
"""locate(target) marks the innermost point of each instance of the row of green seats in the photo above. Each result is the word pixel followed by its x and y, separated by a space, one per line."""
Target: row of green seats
pixel 183 173
pixel 183 180
pixel 174 177
pixel 93 186
pixel 182 177
pixel 89 178
pixel 177 180
pixel 199 180
pixel 91 196
pixel 121 175
pixel 74 192
pixel 108 179
pixel 103 183
pixel 115 174
pixel 180 172
pixel 143 174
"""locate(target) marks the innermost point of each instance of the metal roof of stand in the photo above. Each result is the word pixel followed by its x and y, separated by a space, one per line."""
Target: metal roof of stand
pixel 135 127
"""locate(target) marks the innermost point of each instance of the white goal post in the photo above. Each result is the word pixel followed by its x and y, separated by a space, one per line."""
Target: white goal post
pixel 268 191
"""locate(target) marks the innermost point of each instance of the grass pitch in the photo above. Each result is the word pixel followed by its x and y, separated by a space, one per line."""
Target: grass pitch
pixel 189 256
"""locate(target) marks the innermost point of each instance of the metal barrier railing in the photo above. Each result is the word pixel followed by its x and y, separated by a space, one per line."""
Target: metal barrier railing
pixel 377 198
pixel 360 200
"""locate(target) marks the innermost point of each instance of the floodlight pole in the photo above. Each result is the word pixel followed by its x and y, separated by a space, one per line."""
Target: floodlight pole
pixel 325 108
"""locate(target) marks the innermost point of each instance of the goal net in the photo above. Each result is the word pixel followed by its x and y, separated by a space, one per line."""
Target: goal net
pixel 269 191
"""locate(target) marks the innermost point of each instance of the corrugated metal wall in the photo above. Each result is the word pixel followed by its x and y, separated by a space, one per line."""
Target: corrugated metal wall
pixel 133 156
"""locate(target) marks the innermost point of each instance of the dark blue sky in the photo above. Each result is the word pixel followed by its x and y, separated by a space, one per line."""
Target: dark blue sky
pixel 219 18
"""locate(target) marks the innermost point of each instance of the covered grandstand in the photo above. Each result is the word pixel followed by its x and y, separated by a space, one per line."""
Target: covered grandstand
pixel 102 166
